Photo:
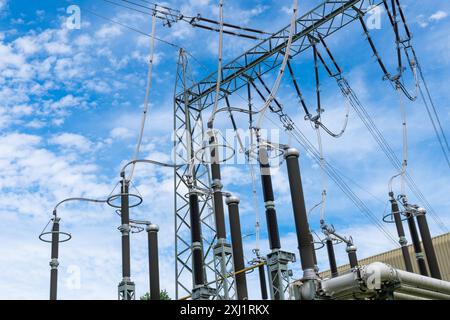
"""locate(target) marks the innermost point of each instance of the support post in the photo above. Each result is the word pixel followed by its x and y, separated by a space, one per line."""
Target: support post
pixel 54 259
pixel 331 257
pixel 269 199
pixel 222 249
pixel 401 233
pixel 304 238
pixel 277 260
pixel 416 243
pixel 428 243
pixel 198 275
pixel 238 251
pixel 352 257
pixel 262 282
pixel 152 232
pixel 126 287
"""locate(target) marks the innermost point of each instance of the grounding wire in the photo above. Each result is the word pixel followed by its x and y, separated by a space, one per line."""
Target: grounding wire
pixel 146 99
pixel 333 174
pixel 322 173
pixel 291 128
pixel 437 126
pixel 277 83
pixel 402 173
pixel 180 17
pixel 219 68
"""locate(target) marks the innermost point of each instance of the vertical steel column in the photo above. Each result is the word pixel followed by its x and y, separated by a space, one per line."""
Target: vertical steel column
pixel 54 258
pixel 401 233
pixel 262 282
pixel 126 286
pixel 277 260
pixel 153 265
pixel 316 267
pixel 352 257
pixel 196 238
pixel 304 237
pixel 416 243
pixel 222 249
pixel 238 251
pixel 331 258
pixel 428 243
pixel 269 199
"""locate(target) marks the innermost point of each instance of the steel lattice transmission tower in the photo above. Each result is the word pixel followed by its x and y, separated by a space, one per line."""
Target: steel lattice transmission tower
pixel 191 100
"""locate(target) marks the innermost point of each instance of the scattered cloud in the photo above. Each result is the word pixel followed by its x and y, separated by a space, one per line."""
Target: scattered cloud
pixel 438 15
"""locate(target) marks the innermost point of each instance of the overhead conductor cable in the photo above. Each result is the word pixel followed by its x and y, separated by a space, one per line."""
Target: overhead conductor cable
pixel 147 97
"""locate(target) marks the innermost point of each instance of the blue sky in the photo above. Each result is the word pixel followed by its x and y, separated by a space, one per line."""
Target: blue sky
pixel 70 105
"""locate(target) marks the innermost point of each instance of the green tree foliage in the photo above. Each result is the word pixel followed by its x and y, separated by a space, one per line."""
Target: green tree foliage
pixel 163 295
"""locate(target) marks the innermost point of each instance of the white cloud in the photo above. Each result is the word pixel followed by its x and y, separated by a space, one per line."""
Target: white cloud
pixel 3 4
pixel 108 31
pixel 71 140
pixel 121 133
pixel 438 15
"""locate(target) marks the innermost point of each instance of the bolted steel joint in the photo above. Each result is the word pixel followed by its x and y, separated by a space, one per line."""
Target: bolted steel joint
pixel 54 263
pixel 309 274
pixel 403 241
pixel 420 255
pixel 232 200
pixel 421 211
pixel 152 228
pixel 196 246
pixel 125 229
pixel 269 205
pixel 291 152
pixel 351 248
pixel 216 185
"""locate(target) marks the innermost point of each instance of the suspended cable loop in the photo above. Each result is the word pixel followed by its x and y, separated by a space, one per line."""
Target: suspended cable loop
pixel 158 163
pixel 400 44
pixel 76 199
pixel 277 83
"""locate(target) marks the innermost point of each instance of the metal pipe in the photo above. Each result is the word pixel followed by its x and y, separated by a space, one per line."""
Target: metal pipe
pixel 152 231
pixel 352 257
pixel 305 244
pixel 126 286
pixel 196 238
pixel 54 259
pixel 262 282
pixel 316 266
pixel 269 204
pixel 424 282
pixel 332 258
pixel 217 188
pixel 416 243
pixel 401 233
pixel 238 251
pixel 423 293
pixel 388 278
pixel 428 243
pixel 404 296
pixel 125 230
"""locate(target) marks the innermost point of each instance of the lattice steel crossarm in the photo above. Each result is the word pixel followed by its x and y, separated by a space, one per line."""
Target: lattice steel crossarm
pixel 325 19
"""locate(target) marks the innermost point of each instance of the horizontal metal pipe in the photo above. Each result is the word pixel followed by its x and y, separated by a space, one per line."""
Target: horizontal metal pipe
pixel 404 296
pixel 423 282
pixel 423 293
